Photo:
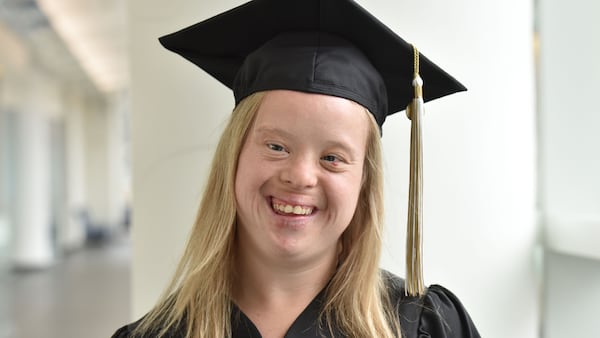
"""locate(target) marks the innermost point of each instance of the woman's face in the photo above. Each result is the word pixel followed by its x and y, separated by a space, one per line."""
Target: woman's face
pixel 299 175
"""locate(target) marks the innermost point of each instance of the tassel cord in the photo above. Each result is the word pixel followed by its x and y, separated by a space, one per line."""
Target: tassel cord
pixel 414 240
pixel 414 259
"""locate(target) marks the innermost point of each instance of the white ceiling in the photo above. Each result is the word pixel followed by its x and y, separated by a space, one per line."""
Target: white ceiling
pixel 74 39
pixel 95 31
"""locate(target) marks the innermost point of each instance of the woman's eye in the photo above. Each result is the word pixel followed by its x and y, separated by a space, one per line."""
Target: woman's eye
pixel 275 147
pixel 330 158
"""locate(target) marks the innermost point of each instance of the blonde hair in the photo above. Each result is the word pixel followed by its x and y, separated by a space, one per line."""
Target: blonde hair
pixel 199 295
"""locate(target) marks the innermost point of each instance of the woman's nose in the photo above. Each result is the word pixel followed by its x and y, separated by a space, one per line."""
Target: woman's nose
pixel 300 172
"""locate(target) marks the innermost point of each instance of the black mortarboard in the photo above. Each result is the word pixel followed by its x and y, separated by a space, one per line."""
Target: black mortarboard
pixel 332 47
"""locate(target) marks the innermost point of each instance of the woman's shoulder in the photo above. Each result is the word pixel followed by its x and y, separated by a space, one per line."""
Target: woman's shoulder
pixel 128 330
pixel 438 313
pixel 125 331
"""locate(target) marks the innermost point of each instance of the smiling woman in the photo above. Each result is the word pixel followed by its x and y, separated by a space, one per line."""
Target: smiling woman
pixel 287 240
pixel 317 166
pixel 297 186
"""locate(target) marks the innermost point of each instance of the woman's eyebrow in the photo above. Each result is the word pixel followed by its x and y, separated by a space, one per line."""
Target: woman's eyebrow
pixel 273 130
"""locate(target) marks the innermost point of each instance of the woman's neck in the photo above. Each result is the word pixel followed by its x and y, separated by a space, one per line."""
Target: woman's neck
pixel 262 283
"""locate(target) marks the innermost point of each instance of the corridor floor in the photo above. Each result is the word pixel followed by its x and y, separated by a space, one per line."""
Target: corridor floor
pixel 84 295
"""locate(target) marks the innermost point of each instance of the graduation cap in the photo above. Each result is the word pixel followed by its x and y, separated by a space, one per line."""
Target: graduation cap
pixel 331 47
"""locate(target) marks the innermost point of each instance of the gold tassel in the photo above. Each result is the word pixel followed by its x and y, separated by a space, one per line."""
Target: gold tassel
pixel 414 241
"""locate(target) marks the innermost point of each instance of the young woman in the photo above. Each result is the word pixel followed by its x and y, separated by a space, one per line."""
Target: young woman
pixel 287 239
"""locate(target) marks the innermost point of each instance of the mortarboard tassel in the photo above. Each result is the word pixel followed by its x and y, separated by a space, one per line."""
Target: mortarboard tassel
pixel 414 241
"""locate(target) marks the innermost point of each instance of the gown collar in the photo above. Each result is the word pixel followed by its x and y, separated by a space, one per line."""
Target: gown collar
pixel 307 324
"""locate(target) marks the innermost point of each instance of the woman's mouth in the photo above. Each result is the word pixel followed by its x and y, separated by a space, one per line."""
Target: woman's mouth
pixel 290 209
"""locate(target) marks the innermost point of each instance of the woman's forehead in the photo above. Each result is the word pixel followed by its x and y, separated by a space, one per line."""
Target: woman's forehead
pixel 306 117
pixel 288 107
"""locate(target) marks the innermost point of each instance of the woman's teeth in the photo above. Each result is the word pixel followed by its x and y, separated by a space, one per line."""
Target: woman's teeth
pixel 291 209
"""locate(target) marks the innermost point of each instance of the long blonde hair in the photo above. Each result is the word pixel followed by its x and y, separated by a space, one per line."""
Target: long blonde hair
pixel 199 294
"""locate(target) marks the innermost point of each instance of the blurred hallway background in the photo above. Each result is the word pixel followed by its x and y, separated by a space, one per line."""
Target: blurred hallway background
pixel 103 153
pixel 64 168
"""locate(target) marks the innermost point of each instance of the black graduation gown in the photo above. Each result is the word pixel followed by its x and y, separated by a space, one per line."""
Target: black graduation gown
pixel 438 314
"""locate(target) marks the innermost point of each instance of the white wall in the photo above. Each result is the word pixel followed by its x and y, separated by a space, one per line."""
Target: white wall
pixel 571 303
pixel 72 232
pixel 4 187
pixel 480 228
pixel 106 174
pixel 570 112
pixel 32 245
pixel 177 113
pixel 480 176
pixel 569 83
pixel 118 170
pixel 96 162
